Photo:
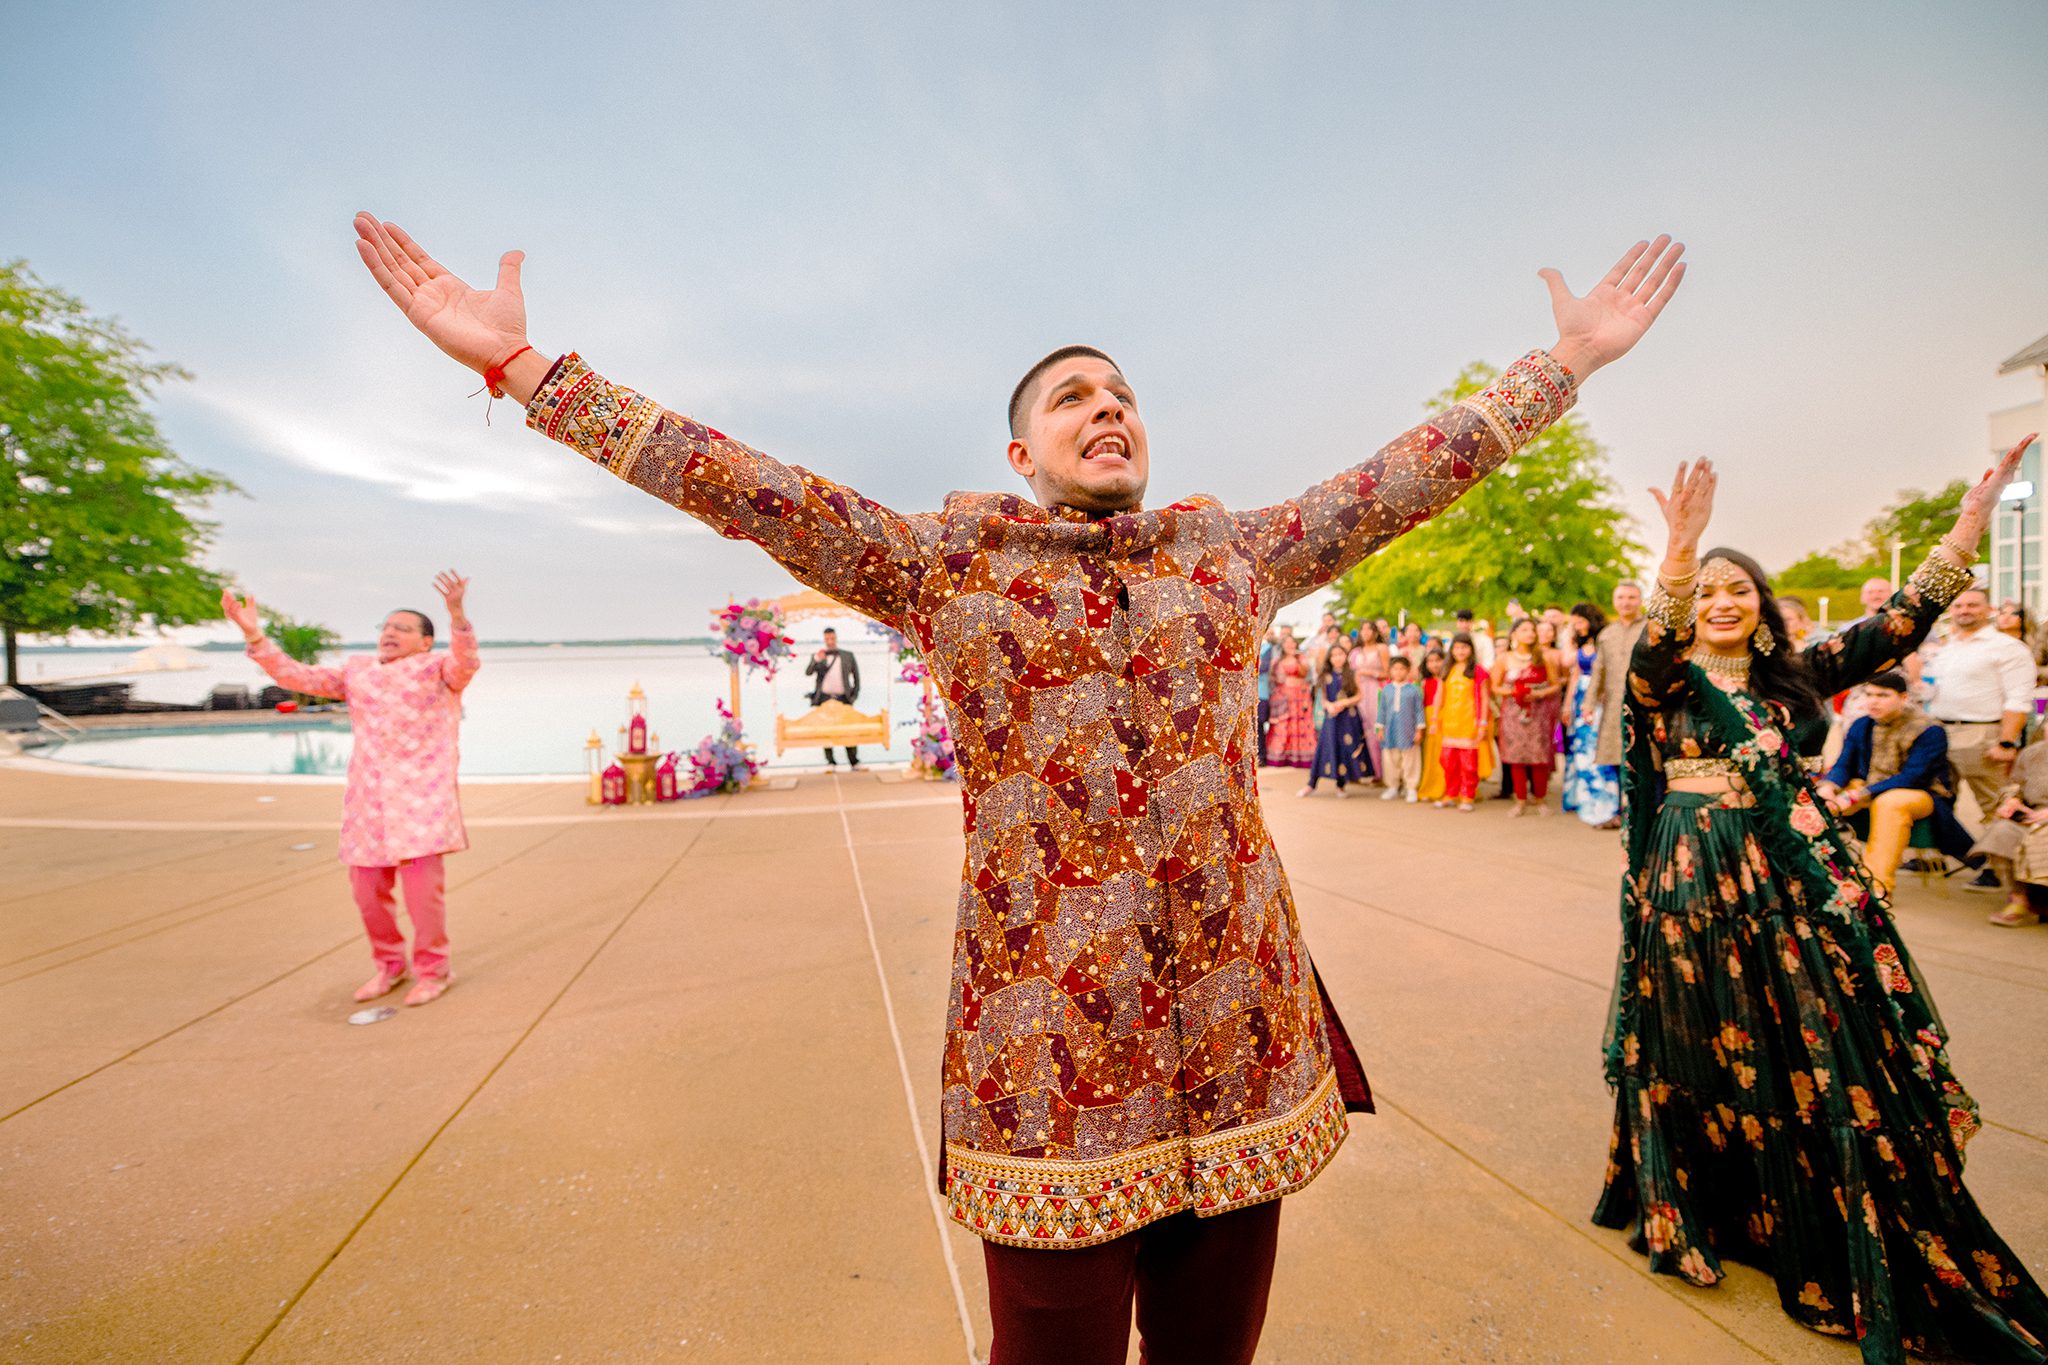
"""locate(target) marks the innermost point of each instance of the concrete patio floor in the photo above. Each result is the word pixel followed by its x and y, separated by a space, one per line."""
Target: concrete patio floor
pixel 682 1103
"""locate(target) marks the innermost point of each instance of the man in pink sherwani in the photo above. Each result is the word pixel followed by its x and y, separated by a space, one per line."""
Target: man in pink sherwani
pixel 401 810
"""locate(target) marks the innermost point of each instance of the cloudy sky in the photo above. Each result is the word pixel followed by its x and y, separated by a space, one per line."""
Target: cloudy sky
pixel 840 232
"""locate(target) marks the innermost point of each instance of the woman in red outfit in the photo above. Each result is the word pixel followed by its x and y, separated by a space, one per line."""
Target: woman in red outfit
pixel 1526 684
pixel 1291 735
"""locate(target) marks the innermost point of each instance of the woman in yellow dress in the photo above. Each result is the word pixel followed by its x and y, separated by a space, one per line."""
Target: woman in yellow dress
pixel 1456 753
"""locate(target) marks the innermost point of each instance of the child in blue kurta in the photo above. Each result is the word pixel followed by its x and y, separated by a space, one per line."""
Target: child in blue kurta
pixel 1400 730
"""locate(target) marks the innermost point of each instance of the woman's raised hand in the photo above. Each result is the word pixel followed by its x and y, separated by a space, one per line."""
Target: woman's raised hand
pixel 1688 506
pixel 1980 502
pixel 480 328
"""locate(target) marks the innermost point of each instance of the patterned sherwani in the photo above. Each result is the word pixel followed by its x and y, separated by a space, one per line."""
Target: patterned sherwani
pixel 1135 1027
pixel 401 799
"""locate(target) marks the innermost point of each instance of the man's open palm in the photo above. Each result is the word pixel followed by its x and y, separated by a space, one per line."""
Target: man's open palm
pixel 478 327
pixel 1612 316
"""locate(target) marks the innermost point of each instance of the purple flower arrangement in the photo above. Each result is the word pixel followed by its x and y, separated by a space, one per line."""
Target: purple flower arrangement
pixel 750 634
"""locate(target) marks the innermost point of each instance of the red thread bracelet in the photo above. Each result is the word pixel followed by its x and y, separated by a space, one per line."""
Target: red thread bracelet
pixel 495 375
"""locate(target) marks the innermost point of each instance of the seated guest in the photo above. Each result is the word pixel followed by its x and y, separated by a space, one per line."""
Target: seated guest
pixel 1893 770
pixel 2015 840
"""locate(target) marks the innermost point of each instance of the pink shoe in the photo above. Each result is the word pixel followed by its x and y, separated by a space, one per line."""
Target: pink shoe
pixel 383 983
pixel 429 989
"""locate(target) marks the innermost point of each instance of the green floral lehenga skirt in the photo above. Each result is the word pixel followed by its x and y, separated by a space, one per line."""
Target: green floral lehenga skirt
pixel 1771 1109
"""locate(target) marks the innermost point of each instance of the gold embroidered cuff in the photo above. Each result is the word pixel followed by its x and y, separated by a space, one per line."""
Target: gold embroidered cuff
pixel 602 421
pixel 1672 613
pixel 1940 579
pixel 1529 395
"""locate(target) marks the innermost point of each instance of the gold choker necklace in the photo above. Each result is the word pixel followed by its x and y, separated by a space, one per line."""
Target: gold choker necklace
pixel 1734 667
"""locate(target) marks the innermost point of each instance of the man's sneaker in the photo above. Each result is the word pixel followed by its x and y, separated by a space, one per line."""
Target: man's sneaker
pixel 1413 798
pixel 1392 792
pixel 382 984
pixel 1987 880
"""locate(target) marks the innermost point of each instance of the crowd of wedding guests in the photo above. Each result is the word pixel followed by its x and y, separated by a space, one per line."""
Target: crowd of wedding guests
pixel 1430 714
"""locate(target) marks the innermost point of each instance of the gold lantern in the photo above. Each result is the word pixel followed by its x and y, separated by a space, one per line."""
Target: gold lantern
pixel 593 764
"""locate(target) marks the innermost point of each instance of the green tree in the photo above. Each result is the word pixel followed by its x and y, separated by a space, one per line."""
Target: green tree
pixel 96 525
pixel 1914 520
pixel 301 640
pixel 1543 527
pixel 1918 519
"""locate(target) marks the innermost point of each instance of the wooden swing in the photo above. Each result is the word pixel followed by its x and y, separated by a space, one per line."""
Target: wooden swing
pixel 831 724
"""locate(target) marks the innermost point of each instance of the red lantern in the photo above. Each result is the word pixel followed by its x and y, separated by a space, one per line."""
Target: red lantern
pixel 615 785
pixel 636 721
pixel 665 780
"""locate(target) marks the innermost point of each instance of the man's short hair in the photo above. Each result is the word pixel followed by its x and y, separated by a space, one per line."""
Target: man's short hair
pixel 1628 583
pixel 1020 397
pixel 1985 593
pixel 831 632
pixel 1890 681
pixel 1462 614
pixel 426 621
pixel 1398 661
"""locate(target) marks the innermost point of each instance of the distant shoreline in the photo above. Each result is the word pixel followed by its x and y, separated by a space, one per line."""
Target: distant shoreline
pixel 234 647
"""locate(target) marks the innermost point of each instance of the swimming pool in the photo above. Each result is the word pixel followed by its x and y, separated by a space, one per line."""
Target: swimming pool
pixel 527 715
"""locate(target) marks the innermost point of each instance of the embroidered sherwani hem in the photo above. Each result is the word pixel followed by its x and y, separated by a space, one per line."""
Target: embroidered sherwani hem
pixel 1134 1026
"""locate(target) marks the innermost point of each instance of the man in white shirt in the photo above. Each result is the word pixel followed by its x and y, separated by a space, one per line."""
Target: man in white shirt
pixel 838 675
pixel 1983 692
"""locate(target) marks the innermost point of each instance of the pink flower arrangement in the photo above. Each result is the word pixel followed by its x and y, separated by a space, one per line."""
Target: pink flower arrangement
pixel 750 634
pixel 931 747
pixel 721 762
pixel 910 665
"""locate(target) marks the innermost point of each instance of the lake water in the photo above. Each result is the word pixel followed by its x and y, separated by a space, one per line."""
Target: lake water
pixel 528 712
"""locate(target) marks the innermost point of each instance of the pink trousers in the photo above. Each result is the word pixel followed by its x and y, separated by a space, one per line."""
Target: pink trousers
pixel 423 879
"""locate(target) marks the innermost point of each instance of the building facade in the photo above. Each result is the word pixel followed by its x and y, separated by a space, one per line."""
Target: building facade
pixel 2019 552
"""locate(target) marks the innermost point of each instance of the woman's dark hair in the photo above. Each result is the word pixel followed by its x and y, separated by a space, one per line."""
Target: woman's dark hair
pixel 1782 675
pixel 1377 638
pixel 2019 609
pixel 1470 663
pixel 1591 615
pixel 1349 680
pixel 1433 652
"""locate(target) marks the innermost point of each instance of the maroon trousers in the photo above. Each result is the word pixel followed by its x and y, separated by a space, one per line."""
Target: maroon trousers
pixel 1200 1286
pixel 1529 779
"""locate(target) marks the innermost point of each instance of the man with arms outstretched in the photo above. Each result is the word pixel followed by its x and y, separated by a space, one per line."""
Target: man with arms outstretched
pixel 1140 1060
pixel 401 810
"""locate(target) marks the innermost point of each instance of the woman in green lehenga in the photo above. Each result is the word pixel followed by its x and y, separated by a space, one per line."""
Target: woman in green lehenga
pixel 1783 1090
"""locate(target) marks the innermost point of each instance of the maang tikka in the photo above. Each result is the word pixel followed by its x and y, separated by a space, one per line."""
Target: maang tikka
pixel 1718 571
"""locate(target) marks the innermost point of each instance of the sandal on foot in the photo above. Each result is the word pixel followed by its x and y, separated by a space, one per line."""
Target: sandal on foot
pixel 430 989
pixel 382 984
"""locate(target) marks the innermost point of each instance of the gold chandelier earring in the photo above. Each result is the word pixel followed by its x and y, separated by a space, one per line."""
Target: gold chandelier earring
pixel 1763 641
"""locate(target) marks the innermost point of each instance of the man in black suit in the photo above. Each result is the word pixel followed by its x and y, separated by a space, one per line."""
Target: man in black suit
pixel 838 679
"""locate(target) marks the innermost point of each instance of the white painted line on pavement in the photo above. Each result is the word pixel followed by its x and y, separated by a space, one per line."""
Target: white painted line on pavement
pixel 924 1152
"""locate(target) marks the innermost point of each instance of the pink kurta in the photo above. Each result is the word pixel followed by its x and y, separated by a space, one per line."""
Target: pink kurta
pixel 401 800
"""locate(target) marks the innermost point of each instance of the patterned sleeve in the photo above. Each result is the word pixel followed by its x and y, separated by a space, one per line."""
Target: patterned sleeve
pixel 1301 544
pixel 1657 673
pixel 1883 640
pixel 462 661
pixel 311 680
pixel 828 536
